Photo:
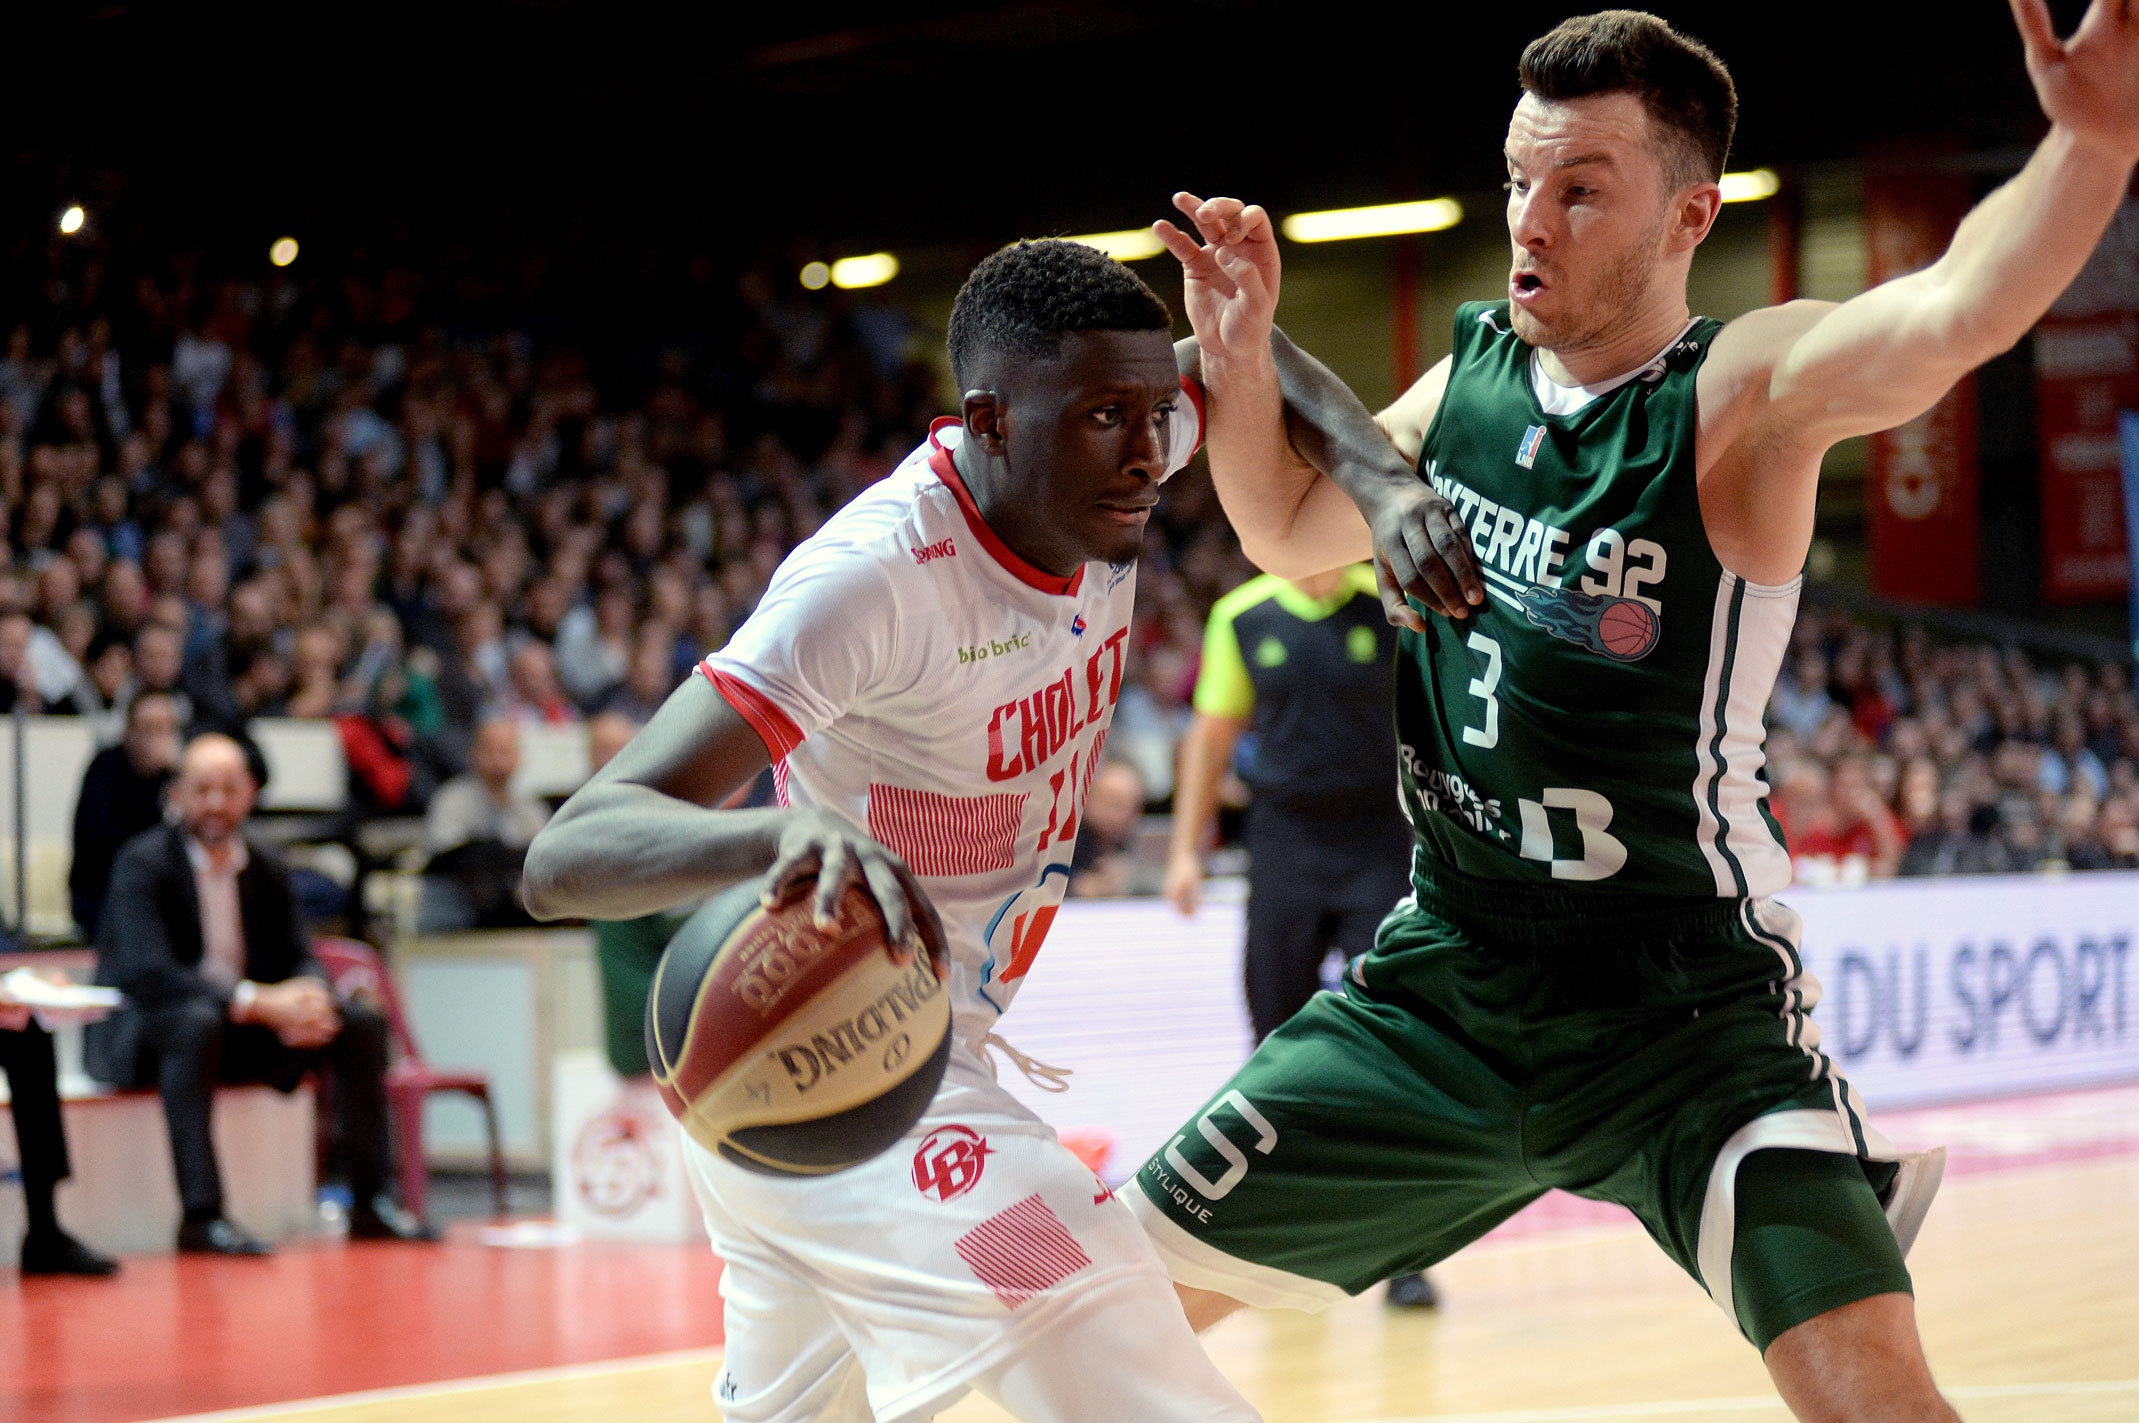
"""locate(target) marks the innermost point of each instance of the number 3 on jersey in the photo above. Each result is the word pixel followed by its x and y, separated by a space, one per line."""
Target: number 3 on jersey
pixel 1483 687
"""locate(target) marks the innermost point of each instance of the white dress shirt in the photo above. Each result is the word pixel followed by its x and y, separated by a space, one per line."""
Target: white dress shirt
pixel 222 923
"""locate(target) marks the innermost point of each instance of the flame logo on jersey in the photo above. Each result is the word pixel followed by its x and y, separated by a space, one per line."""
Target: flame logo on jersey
pixel 1623 629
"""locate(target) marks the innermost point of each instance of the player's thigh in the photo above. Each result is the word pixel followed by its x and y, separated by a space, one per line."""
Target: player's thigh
pixel 940 1257
pixel 1362 1140
pixel 1155 1370
pixel 786 1360
pixel 1684 1106
pixel 1810 1238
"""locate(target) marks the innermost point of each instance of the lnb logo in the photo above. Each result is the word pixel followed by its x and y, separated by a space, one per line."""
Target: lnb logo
pixel 982 651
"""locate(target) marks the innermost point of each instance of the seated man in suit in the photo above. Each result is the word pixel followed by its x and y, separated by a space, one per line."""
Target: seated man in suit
pixel 200 931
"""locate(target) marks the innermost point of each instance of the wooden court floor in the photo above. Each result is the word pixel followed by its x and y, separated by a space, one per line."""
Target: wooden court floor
pixel 2027 1280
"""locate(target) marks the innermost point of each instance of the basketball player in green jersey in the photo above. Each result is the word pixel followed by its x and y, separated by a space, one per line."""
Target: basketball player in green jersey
pixel 1598 506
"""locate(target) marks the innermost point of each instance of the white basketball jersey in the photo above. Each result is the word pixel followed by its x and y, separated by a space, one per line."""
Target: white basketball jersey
pixel 912 674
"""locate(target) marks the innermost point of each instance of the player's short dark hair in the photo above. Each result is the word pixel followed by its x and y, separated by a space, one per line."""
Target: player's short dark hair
pixel 1022 300
pixel 1684 88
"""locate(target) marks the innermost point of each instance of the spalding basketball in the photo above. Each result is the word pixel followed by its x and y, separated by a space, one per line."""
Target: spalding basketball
pixel 789 1049
pixel 1628 630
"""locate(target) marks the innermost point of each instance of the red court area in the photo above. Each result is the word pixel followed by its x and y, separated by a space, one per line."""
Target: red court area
pixel 190 1335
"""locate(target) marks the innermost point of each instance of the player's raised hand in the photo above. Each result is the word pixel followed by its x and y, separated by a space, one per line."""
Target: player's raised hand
pixel 1231 276
pixel 2088 84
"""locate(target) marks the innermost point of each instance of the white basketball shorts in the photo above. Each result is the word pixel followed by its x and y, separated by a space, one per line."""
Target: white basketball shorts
pixel 960 1258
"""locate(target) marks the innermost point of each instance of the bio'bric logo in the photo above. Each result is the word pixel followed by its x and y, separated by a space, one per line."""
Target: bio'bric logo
pixel 990 647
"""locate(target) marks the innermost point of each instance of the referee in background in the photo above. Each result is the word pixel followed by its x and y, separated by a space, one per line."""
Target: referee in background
pixel 1303 669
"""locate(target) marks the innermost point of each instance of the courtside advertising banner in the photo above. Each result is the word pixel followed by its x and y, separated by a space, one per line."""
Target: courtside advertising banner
pixel 1943 990
pixel 1937 990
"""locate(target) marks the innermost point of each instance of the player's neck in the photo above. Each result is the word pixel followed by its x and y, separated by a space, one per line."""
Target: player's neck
pixel 988 481
pixel 1627 347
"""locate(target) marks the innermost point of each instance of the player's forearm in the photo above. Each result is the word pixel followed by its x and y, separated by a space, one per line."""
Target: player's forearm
pixel 1290 520
pixel 1331 429
pixel 618 851
pixel 2021 247
pixel 1886 356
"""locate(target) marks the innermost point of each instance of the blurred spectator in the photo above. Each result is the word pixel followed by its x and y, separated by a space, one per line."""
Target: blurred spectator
pixel 652 676
pixel 121 796
pixel 1838 828
pixel 532 693
pixel 477 832
pixel 18 682
pixel 201 932
pixel 1100 866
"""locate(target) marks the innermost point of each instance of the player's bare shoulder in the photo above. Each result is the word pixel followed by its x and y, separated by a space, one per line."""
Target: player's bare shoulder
pixel 1738 388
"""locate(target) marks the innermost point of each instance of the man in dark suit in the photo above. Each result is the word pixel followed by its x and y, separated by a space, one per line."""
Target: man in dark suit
pixel 200 930
pixel 121 796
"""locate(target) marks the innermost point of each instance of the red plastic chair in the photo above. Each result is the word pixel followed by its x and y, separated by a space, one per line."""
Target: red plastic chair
pixel 355 970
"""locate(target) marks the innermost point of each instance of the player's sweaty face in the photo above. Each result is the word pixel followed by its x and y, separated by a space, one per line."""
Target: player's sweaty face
pixel 1086 440
pixel 1586 213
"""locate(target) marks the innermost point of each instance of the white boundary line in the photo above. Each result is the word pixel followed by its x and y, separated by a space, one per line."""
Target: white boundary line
pixel 446 1388
pixel 1663 1408
pixel 1964 1393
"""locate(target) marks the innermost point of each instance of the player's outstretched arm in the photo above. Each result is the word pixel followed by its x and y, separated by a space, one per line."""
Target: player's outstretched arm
pixel 643 834
pixel 1278 420
pixel 1888 355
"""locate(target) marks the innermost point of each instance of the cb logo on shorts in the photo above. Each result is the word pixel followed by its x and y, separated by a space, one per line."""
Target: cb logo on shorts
pixel 1236 1159
pixel 949 1162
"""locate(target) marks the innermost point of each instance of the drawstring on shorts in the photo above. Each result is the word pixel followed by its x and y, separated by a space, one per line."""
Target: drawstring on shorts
pixel 1038 1073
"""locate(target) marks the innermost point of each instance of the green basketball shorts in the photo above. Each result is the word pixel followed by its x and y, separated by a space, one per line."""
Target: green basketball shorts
pixel 1499 1042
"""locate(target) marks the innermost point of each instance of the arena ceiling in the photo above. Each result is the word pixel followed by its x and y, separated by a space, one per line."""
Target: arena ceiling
pixel 864 125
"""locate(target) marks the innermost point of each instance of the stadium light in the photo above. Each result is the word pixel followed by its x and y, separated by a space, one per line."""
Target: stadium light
pixel 815 275
pixel 1382 220
pixel 1132 245
pixel 871 271
pixel 1750 186
pixel 283 252
pixel 70 221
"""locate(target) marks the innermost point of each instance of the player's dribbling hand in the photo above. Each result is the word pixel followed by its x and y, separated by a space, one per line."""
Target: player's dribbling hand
pixel 1231 278
pixel 818 844
pixel 2088 84
pixel 1422 549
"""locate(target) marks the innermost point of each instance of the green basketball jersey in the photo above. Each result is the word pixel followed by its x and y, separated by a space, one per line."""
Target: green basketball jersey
pixel 1599 718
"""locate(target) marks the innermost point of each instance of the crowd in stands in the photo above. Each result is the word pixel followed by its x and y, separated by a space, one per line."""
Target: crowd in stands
pixel 363 498
pixel 1893 754
pixel 366 499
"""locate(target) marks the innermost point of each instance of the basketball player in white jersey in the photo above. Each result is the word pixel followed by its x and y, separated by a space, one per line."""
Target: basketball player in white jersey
pixel 931 677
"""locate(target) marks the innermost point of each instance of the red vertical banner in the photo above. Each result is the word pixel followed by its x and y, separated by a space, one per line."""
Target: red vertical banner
pixel 2086 370
pixel 1922 510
